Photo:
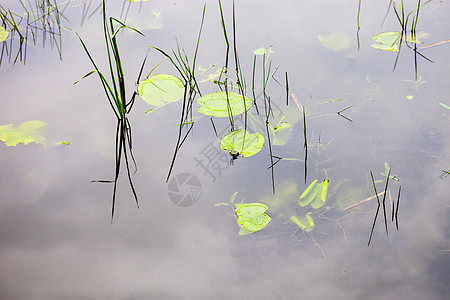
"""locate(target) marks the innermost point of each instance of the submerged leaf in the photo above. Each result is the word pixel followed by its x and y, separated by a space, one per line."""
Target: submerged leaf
pixel 387 168
pixel 27 132
pixel 223 104
pixel 3 34
pixel 242 142
pixel 251 217
pixel 335 41
pixel 161 89
pixel 306 223
pixel 281 133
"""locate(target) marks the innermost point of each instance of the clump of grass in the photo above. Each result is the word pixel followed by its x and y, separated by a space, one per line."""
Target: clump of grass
pixel 115 92
pixel 11 22
pixel 180 61
pixel 383 202
pixel 43 17
pixel 403 21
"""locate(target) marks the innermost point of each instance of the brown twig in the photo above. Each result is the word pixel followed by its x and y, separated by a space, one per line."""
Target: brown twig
pixel 434 44
pixel 363 201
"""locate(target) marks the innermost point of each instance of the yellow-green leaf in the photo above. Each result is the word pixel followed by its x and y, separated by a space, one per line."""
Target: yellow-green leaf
pixel 281 133
pixel 27 132
pixel 306 223
pixel 316 194
pixel 387 41
pixel 223 104
pixel 242 142
pixel 308 195
pixel 335 41
pixel 161 89
pixel 3 33
pixel 251 217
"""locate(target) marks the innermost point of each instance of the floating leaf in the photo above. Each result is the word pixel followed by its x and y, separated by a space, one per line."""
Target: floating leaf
pixel 308 195
pixel 161 89
pixel 281 133
pixel 251 217
pixel 316 194
pixel 444 105
pixel 306 223
pixel 3 34
pixel 386 41
pixel 217 105
pixel 27 132
pixel 323 195
pixel 260 51
pixel 335 41
pixel 242 142
pixel 243 209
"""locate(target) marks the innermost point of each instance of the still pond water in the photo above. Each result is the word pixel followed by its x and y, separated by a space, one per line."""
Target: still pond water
pixel 56 236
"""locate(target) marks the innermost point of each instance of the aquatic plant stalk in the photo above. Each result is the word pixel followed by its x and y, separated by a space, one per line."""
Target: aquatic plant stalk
pixel 396 208
pixel 116 95
pixel 384 201
pixel 287 89
pixel 378 209
pixel 187 71
pixel 305 145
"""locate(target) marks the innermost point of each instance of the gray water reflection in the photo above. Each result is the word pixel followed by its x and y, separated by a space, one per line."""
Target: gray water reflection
pixel 56 238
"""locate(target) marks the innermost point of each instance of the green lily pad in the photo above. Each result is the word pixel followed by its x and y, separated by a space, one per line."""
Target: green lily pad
pixel 387 41
pixel 217 105
pixel 3 34
pixel 316 194
pixel 251 217
pixel 306 223
pixel 335 41
pixel 243 209
pixel 27 132
pixel 242 142
pixel 161 89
